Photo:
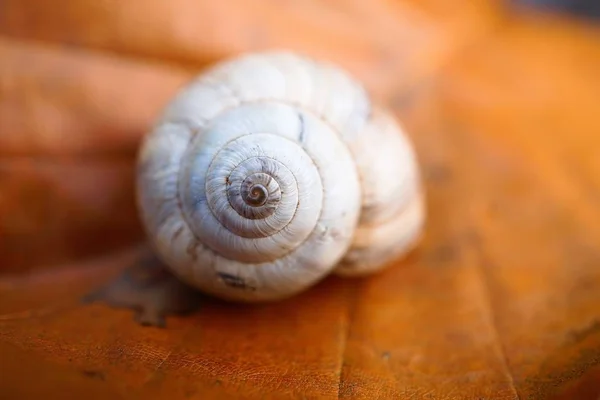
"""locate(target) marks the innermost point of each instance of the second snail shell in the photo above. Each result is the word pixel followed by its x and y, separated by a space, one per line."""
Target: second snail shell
pixel 270 171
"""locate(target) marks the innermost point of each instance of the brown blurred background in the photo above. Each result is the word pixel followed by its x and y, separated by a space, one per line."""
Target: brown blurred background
pixel 502 298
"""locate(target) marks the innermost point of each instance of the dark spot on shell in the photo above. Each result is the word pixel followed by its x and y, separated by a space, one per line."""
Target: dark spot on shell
pixel 301 128
pixel 234 281
pixel 177 233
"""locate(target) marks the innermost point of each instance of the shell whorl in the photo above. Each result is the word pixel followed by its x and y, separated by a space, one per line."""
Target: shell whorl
pixel 252 184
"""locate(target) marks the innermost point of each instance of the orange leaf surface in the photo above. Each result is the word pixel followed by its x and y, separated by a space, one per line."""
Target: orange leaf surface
pixel 500 300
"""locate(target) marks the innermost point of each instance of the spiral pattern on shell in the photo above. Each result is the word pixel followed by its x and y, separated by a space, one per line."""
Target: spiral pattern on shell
pixel 255 183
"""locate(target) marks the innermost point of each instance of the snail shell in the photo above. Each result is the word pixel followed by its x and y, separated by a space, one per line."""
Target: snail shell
pixel 269 171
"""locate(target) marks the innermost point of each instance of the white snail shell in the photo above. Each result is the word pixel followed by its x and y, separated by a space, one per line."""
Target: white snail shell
pixel 271 170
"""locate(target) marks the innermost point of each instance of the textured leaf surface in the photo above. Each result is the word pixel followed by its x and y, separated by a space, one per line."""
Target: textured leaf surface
pixel 500 301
